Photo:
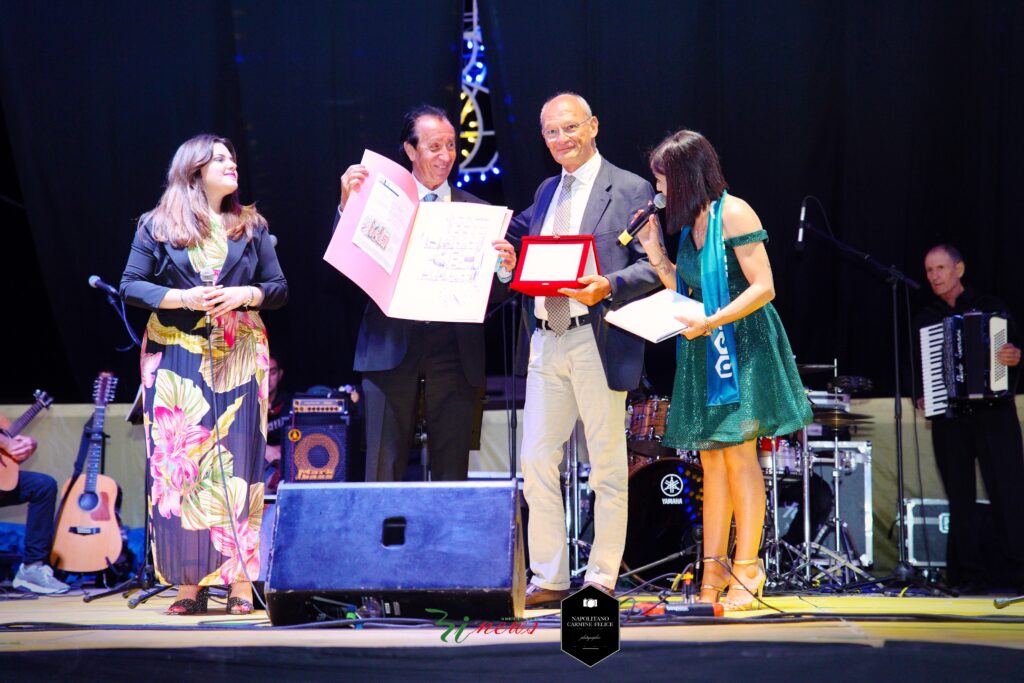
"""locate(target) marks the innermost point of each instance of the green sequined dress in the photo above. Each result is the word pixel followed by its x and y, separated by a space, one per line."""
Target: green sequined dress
pixel 772 398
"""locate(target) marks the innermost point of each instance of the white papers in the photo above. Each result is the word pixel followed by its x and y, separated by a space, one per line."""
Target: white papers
pixel 653 317
pixel 383 223
pixel 449 263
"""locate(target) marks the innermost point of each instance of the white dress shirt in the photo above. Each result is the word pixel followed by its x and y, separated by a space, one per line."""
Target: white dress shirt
pixel 578 198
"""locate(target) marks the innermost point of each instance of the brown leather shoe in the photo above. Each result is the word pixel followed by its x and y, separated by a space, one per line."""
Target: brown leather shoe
pixel 604 589
pixel 537 596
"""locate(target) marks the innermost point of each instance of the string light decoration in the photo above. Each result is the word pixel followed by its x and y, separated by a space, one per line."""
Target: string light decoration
pixel 478 148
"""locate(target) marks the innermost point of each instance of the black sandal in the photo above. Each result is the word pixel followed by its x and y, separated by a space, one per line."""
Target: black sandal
pixel 239 606
pixel 189 606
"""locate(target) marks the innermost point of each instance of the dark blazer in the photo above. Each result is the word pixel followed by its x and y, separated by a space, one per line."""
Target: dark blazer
pixel 383 342
pixel 616 196
pixel 155 267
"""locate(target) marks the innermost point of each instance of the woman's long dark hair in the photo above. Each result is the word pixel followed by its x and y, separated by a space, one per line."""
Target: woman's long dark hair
pixel 693 176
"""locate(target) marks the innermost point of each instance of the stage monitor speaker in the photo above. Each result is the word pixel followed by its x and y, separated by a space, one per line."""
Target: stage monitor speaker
pixel 316 448
pixel 396 550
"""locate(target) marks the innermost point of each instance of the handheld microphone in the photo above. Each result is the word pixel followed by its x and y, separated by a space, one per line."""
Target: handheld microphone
pixel 209 277
pixel 96 282
pixel 652 207
pixel 800 230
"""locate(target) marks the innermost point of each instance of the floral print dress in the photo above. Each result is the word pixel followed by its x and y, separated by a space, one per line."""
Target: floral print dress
pixel 206 503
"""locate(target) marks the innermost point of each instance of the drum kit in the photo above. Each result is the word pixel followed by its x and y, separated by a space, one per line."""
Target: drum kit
pixel 666 492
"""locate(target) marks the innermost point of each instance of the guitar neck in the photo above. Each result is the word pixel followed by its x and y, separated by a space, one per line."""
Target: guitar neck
pixel 92 467
pixel 23 421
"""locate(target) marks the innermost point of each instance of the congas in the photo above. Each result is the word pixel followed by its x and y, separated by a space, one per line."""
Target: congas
pixel 665 505
pixel 647 421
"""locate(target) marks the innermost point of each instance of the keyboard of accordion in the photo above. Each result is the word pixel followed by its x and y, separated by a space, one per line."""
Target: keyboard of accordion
pixel 936 396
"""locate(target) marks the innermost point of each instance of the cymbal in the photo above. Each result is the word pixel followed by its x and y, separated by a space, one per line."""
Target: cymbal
pixel 805 368
pixel 831 417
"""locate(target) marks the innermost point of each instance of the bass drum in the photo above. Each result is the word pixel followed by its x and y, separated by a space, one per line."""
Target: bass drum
pixel 666 500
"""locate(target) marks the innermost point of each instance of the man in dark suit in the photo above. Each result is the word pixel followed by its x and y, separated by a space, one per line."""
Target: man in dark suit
pixel 580 367
pixel 394 354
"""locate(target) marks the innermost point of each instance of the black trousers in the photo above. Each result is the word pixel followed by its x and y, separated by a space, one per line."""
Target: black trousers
pixel 989 434
pixel 391 405
pixel 40 492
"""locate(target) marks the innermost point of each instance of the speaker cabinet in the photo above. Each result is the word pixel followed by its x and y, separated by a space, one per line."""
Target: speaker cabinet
pixel 316 448
pixel 396 550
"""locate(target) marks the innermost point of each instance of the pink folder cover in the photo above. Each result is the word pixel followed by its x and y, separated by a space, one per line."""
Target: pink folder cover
pixel 353 262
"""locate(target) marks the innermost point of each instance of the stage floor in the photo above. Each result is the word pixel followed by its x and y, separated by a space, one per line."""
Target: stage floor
pixel 883 638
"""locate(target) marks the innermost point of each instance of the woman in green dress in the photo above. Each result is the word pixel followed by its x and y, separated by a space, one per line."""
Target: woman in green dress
pixel 736 379
pixel 205 408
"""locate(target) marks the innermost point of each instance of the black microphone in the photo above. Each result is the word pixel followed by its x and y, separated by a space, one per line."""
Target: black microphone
pixel 209 277
pixel 95 281
pixel 800 230
pixel 652 207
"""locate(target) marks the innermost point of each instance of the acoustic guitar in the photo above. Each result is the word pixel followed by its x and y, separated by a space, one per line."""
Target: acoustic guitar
pixel 88 532
pixel 8 465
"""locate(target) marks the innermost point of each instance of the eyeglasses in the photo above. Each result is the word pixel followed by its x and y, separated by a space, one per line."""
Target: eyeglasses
pixel 571 130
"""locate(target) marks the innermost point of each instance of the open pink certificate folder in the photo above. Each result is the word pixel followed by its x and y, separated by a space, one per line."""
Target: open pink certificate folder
pixel 431 261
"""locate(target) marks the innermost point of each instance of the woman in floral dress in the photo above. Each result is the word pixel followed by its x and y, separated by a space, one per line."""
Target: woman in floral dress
pixel 206 422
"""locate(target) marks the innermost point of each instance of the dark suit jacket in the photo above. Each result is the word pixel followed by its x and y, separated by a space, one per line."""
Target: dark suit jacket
pixel 383 342
pixel 616 196
pixel 155 267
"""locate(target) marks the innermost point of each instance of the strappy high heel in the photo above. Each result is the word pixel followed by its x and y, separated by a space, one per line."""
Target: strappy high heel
pixel 189 606
pixel 755 590
pixel 724 562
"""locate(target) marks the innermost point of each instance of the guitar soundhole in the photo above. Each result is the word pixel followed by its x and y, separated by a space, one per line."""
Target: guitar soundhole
pixel 88 501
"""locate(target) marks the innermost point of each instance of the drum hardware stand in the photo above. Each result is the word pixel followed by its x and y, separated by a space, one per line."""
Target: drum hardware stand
pixel 904 574
pixel 573 504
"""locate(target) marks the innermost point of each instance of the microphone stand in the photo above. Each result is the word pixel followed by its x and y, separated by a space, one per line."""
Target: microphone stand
pixel 118 306
pixel 512 302
pixel 904 574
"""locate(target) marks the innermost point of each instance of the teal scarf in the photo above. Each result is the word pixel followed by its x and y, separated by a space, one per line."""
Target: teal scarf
pixel 723 387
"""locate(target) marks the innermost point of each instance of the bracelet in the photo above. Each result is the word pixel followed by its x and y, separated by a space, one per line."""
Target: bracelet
pixel 181 300
pixel 707 327
pixel 252 295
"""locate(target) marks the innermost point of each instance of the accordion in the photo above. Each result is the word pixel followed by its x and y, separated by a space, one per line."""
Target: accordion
pixel 958 360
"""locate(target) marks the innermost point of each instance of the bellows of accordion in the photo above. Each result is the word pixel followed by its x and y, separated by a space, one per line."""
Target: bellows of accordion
pixel 958 360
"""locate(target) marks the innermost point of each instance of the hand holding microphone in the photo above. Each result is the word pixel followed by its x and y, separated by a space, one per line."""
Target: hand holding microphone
pixel 209 277
pixel 640 219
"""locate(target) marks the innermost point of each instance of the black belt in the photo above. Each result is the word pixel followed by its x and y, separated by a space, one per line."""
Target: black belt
pixel 573 322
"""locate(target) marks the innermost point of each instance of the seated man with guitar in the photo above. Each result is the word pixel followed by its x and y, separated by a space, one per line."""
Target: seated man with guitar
pixel 40 492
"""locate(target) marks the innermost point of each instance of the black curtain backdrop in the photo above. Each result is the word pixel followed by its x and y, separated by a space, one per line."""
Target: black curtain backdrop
pixel 903 118
pixel 98 97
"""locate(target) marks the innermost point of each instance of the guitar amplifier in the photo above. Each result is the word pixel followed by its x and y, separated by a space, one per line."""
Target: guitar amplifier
pixel 316 444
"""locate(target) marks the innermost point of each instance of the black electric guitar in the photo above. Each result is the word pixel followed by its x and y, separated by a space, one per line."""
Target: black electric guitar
pixel 8 465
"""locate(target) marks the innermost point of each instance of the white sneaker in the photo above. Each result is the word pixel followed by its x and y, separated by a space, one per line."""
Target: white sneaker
pixel 38 578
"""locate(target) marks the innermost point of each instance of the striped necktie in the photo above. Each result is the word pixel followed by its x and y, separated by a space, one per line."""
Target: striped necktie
pixel 558 306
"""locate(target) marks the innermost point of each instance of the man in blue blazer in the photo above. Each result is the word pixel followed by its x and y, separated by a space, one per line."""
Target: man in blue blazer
pixel 394 354
pixel 580 367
